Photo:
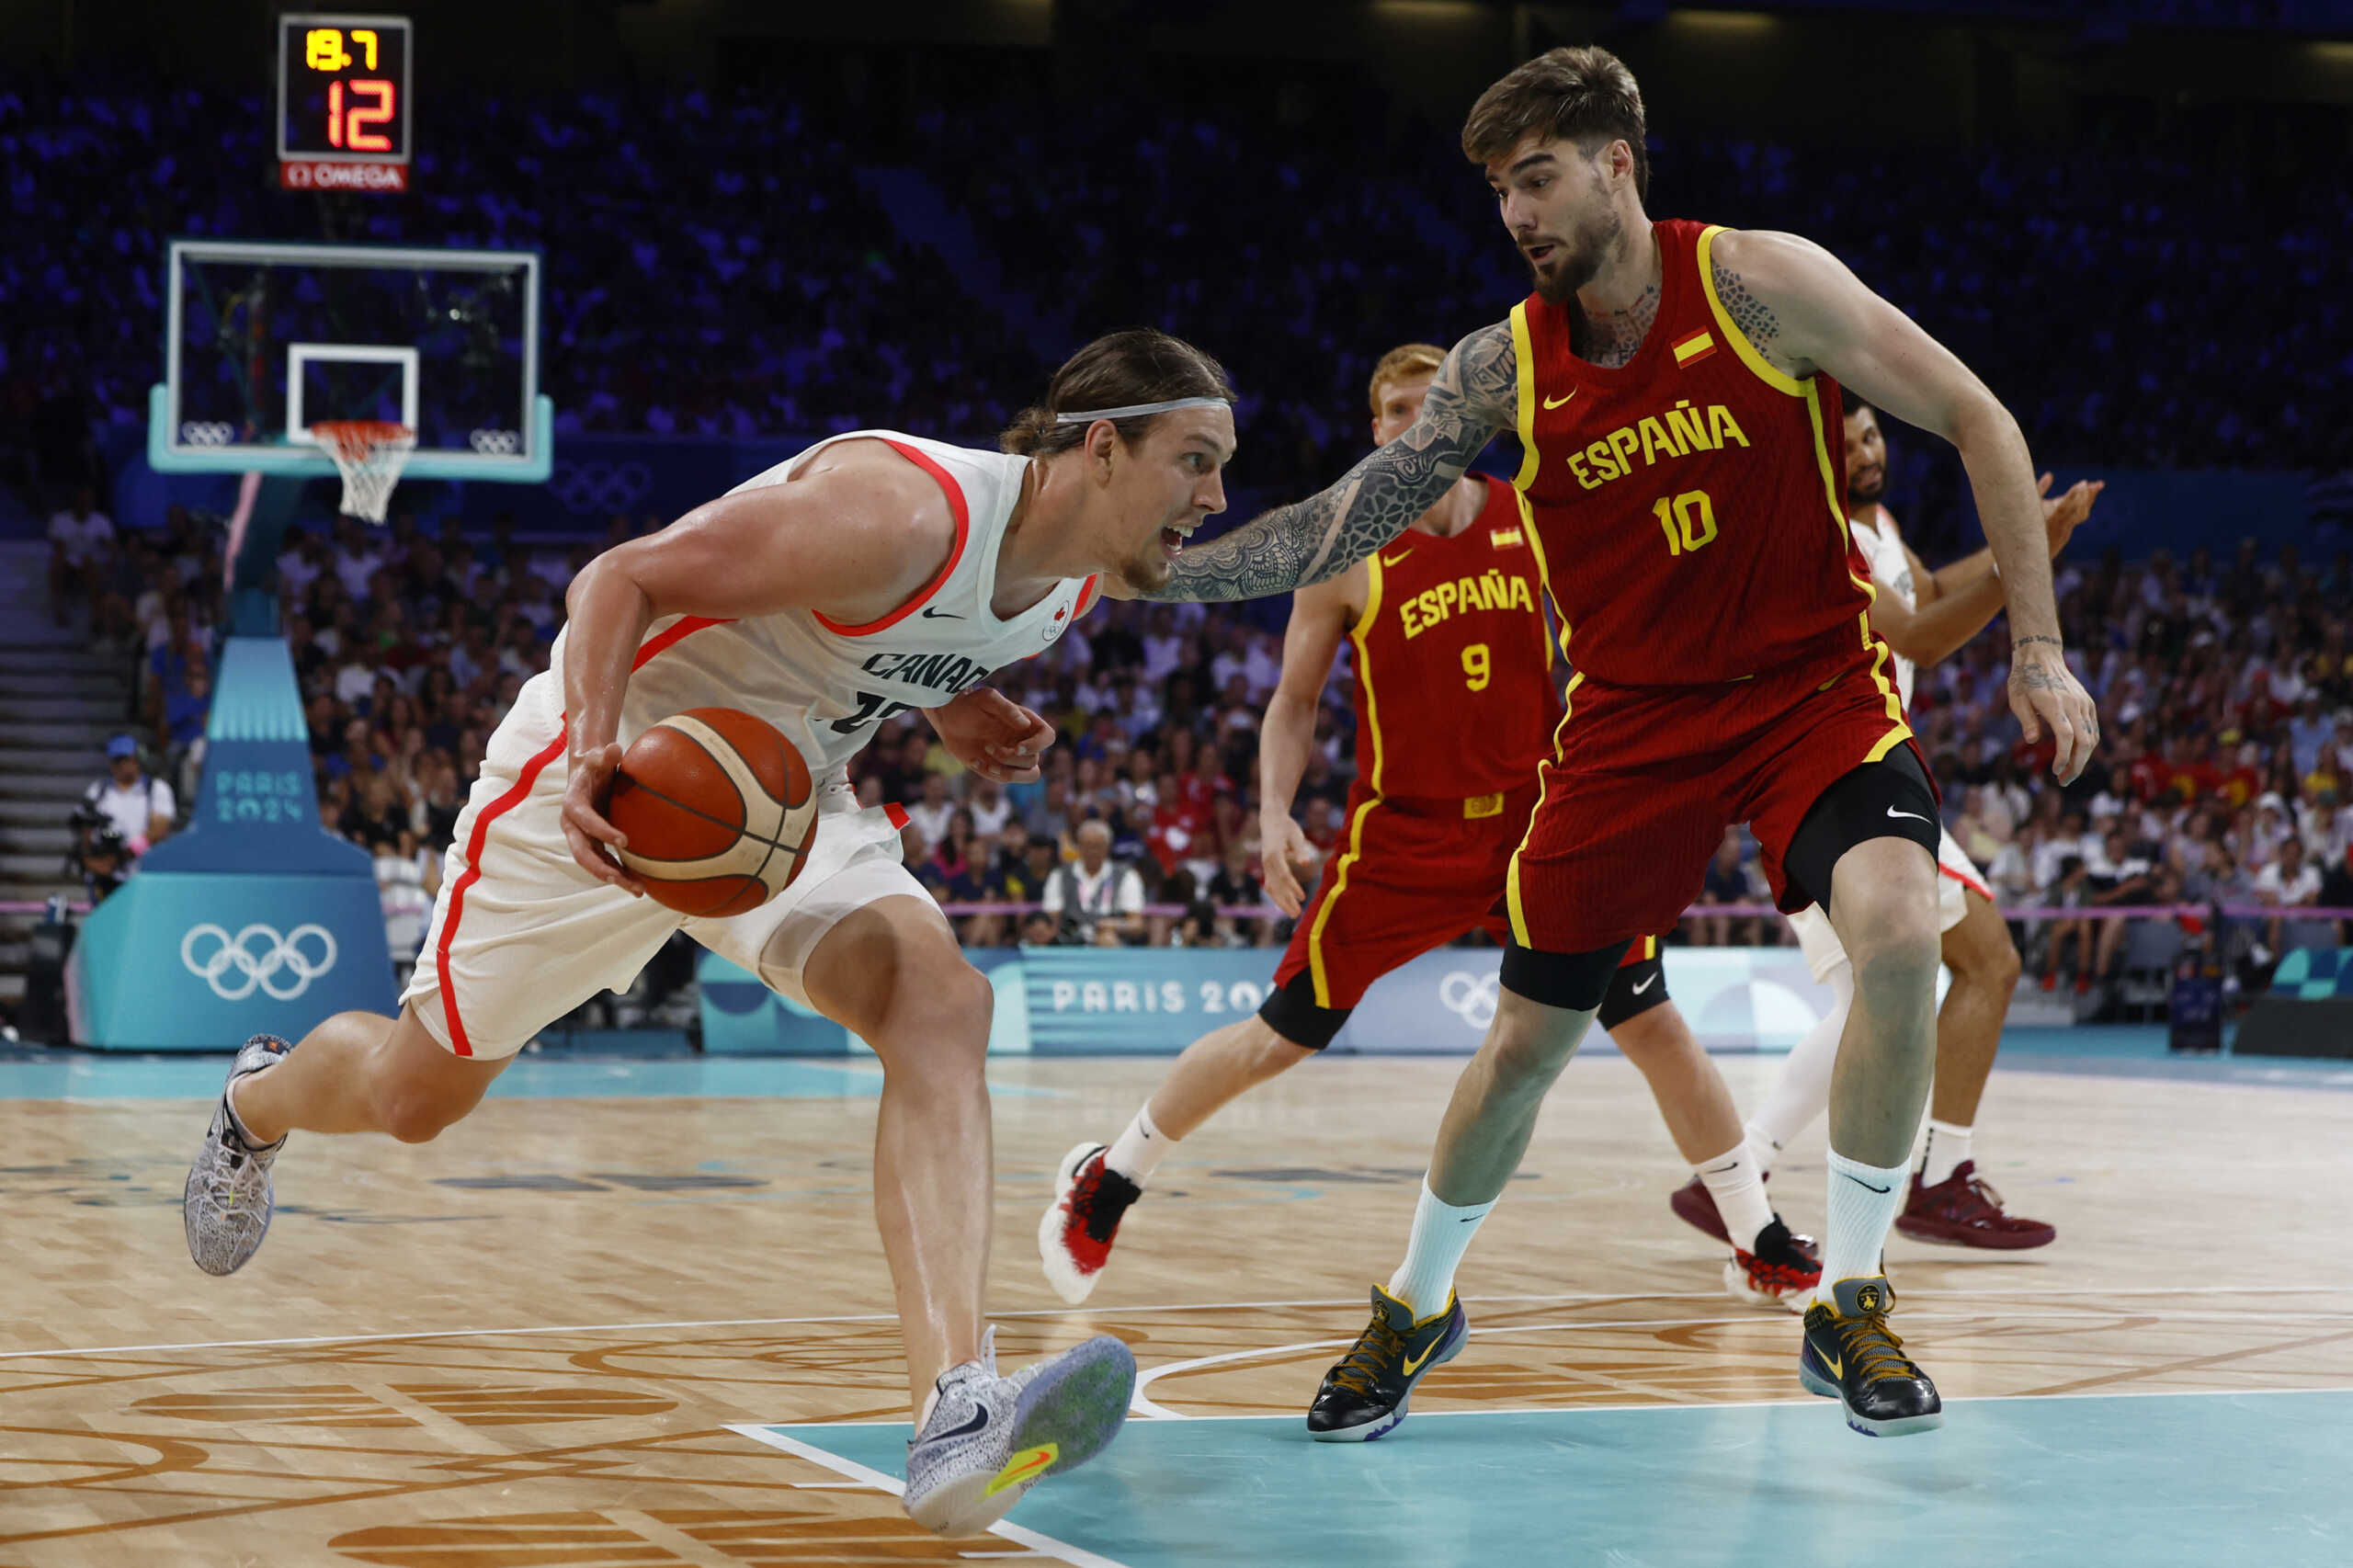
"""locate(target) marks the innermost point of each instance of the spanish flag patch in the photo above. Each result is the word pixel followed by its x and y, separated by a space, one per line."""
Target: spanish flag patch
pixel 1694 349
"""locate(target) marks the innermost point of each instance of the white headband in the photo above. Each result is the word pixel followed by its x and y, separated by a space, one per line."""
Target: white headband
pixel 1134 410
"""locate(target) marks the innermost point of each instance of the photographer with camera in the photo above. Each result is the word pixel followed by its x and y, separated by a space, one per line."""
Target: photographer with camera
pixel 143 809
pixel 1098 901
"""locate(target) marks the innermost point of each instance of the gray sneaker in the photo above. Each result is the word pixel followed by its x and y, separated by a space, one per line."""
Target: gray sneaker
pixel 226 1204
pixel 992 1438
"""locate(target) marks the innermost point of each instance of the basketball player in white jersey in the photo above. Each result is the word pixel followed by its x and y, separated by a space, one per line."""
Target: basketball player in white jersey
pixel 1925 615
pixel 872 575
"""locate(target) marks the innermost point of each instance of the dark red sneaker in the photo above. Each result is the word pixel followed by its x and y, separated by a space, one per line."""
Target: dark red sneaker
pixel 1781 1272
pixel 1075 1238
pixel 1964 1212
pixel 1696 1207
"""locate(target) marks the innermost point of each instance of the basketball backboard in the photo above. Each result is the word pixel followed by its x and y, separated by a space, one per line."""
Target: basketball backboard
pixel 266 339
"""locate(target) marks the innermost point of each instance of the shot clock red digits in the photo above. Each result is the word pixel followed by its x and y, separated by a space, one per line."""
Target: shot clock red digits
pixel 344 102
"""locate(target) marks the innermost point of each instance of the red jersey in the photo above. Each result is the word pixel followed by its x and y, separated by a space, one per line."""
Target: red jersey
pixel 1687 500
pixel 1454 692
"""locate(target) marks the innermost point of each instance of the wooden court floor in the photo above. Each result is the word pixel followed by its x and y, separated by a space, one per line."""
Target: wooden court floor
pixel 528 1343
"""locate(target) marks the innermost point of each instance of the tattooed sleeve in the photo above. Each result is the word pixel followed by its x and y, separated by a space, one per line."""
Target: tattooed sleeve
pixel 1475 395
pixel 1755 319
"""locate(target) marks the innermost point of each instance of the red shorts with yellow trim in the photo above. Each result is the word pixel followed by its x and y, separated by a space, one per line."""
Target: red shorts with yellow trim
pixel 1645 780
pixel 1413 873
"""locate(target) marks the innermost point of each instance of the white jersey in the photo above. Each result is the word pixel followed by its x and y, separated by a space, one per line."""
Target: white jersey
pixel 826 685
pixel 1891 572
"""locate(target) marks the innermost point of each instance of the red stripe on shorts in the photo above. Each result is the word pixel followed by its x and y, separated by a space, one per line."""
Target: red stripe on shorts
pixel 471 874
pixel 683 626
pixel 1972 883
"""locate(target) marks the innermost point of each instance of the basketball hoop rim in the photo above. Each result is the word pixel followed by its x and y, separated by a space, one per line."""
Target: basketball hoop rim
pixel 357 438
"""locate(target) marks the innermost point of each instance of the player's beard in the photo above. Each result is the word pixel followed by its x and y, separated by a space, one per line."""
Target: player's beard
pixel 1149 569
pixel 1578 258
pixel 1862 492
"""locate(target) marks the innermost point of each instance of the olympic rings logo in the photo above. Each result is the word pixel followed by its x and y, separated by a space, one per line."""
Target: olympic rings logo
pixel 237 965
pixel 599 486
pixel 1470 997
pixel 207 433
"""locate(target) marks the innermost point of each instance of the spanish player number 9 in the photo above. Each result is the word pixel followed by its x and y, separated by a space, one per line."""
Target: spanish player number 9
pixel 1478 667
pixel 1689 520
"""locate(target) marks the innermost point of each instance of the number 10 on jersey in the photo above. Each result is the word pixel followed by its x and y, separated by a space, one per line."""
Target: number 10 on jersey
pixel 1689 520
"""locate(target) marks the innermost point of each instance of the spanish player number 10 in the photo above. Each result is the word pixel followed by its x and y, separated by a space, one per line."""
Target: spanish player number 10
pixel 1689 520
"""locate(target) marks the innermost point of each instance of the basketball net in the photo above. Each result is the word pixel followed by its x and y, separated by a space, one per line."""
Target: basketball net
pixel 370 454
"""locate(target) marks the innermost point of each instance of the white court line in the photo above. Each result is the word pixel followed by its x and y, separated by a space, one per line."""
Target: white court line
pixel 1166 1307
pixel 1021 1535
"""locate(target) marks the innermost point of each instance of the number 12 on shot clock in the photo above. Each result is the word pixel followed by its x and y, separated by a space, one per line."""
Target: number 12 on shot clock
pixel 343 100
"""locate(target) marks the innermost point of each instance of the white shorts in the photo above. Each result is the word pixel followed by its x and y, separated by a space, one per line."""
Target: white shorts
pixel 522 934
pixel 1957 876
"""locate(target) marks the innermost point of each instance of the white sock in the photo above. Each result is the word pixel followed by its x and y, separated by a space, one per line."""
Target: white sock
pixel 1736 1182
pixel 1801 1093
pixel 1139 1148
pixel 1442 1235
pixel 1864 1201
pixel 1948 1147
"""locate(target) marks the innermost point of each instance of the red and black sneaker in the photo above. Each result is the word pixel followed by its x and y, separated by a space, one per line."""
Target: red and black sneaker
pixel 1782 1272
pixel 1696 1207
pixel 1964 1212
pixel 1074 1237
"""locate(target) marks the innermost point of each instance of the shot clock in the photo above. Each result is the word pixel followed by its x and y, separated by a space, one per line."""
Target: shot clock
pixel 342 102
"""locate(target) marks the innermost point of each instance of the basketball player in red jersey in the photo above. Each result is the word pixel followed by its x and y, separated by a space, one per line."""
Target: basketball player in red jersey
pixel 873 573
pixel 1455 705
pixel 1676 390
pixel 1925 615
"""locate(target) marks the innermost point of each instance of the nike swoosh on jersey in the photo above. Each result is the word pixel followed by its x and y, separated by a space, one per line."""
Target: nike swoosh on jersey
pixel 931 614
pixel 1394 560
pixel 1914 815
pixel 1556 402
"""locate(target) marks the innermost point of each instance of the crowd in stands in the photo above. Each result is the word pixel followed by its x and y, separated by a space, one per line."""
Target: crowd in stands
pixel 2226 685
pixel 721 264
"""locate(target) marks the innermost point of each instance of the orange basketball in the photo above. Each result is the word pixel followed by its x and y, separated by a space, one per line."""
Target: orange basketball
pixel 717 809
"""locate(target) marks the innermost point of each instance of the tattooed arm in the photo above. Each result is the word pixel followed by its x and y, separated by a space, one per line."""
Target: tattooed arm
pixel 1474 394
pixel 1802 311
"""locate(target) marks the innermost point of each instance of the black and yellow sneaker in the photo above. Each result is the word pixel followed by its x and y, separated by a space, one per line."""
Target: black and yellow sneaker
pixel 1851 1355
pixel 1365 1397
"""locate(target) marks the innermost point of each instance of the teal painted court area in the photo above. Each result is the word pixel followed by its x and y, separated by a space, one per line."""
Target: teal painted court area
pixel 2163 1481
